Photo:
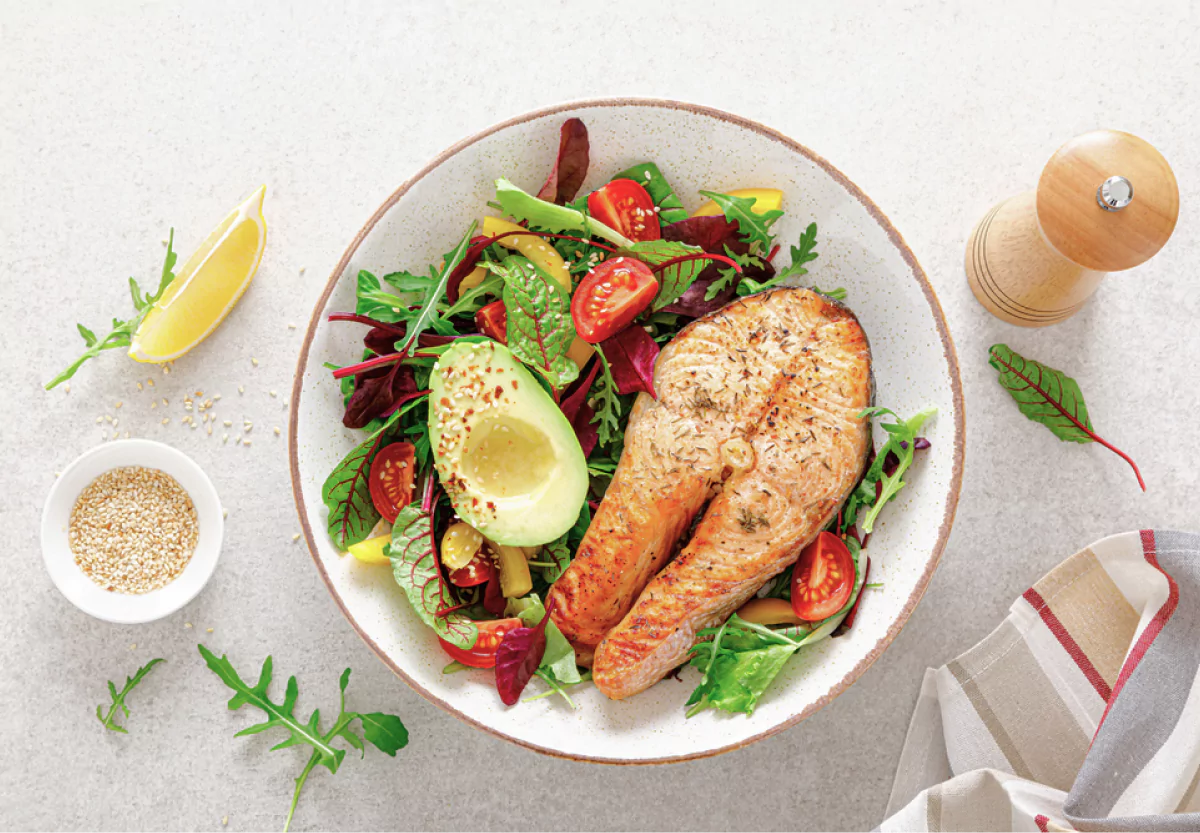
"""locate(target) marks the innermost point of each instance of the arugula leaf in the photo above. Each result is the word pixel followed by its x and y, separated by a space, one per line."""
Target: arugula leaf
pixel 415 567
pixel 647 174
pixel 118 698
pixel 730 276
pixel 385 732
pixel 675 279
pixel 1050 397
pixel 837 294
pixel 375 302
pixel 753 227
pixel 802 254
pixel 901 442
pixel 540 329
pixel 470 301
pixel 346 491
pixel 122 332
pixel 556 218
pixel 608 404
pixel 428 316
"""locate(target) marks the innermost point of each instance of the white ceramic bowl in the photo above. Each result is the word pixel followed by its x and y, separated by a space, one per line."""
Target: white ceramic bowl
pixel 696 148
pixel 125 608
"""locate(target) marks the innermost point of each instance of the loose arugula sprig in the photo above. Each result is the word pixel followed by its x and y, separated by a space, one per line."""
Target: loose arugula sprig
pixel 122 331
pixel 383 731
pixel 608 404
pixel 118 698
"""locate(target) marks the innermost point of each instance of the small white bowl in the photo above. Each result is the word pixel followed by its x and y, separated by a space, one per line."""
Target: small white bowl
pixel 126 608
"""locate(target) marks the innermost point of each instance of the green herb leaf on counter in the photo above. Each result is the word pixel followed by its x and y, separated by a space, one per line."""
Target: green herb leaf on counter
pixel 540 329
pixel 122 332
pixel 675 279
pixel 385 732
pixel 546 215
pixel 346 492
pixel 806 252
pixel 427 316
pixel 754 228
pixel 415 567
pixel 1050 397
pixel 647 174
pixel 109 721
pixel 901 442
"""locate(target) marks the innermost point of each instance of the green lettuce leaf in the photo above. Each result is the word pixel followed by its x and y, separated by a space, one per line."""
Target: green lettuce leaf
pixel 554 218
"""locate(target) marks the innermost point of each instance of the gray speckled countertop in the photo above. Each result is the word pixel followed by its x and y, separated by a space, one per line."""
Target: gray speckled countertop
pixel 120 119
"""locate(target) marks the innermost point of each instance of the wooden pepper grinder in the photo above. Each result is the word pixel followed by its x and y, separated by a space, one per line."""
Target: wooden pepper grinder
pixel 1106 201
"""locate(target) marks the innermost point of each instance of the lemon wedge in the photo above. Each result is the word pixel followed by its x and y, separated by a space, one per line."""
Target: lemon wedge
pixel 206 288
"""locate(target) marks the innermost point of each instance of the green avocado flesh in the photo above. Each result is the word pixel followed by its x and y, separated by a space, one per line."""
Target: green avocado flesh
pixel 506 455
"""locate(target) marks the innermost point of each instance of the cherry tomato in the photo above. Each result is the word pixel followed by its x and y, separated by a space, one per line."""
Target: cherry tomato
pixel 483 653
pixel 478 570
pixel 610 296
pixel 625 206
pixel 391 479
pixel 492 321
pixel 823 578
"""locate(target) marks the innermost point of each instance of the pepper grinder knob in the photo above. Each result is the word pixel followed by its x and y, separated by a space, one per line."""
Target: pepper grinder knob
pixel 1105 202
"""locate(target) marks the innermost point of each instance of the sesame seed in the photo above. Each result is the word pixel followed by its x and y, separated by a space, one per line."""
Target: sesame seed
pixel 277 432
pixel 187 624
pixel 216 397
pixel 254 361
pixel 245 441
pixel 291 326
pixel 153 405
pixel 99 419
pixel 296 537
pixel 227 423
pixel 208 630
pixel 224 513
pixel 241 389
pixel 166 420
pixel 302 268
pixel 126 435
pixel 118 405
pixel 165 402
pixel 133 647
pixel 273 394
pixel 115 434
pixel 225 438
pixel 199 393
pixel 133 529
pixel 150 382
pixel 224 820
pixel 166 369
pixel 139 384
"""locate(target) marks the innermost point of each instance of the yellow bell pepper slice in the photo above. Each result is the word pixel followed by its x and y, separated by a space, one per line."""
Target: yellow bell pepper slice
pixel 371 551
pixel 545 257
pixel 473 279
pixel 515 580
pixel 766 199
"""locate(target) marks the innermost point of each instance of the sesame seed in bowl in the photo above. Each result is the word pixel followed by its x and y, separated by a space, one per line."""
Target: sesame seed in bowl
pixel 131 531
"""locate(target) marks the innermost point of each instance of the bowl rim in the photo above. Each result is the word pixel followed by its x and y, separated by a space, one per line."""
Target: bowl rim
pixel 893 235
pixel 186 586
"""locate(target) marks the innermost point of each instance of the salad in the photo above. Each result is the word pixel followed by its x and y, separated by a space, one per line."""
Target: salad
pixel 494 391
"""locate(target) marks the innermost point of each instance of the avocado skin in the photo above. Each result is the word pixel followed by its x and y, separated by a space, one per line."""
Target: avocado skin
pixel 479 394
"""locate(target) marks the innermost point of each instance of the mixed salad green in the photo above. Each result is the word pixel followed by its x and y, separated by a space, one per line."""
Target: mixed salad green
pixel 557 315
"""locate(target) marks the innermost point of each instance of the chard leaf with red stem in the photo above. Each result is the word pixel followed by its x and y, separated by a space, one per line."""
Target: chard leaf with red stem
pixel 346 492
pixel 417 569
pixel 540 329
pixel 630 356
pixel 518 657
pixel 1050 397
pixel 673 279
pixel 571 166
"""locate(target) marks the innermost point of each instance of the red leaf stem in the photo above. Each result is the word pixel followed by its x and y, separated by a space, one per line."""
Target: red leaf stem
pixel 697 256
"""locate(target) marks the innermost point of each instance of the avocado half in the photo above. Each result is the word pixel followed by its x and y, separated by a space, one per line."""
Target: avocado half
pixel 506 455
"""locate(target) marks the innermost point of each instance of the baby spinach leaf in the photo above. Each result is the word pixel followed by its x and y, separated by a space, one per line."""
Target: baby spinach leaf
pixel 415 567
pixel 647 174
pixel 540 329
pixel 385 732
pixel 1051 397
pixel 118 698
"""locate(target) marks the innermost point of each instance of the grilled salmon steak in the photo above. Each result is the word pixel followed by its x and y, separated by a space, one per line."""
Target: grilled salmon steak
pixel 756 416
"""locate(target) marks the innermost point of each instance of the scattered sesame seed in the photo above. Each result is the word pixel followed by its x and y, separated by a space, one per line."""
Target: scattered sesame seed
pixel 273 394
pixel 67 387
pixel 208 630
pixel 150 382
pixel 302 268
pixel 187 624
pixel 199 393
pixel 166 369
pixel 291 326
pixel 241 389
pixel 165 403
pixel 126 435
pixel 216 397
pixel 166 420
pixel 228 422
pixel 245 441
pixel 133 647
pixel 153 405
pixel 277 431
pixel 224 820
pixel 225 438
pixel 139 384
pixel 118 405
pixel 99 419
pixel 254 361
pixel 114 422
pixel 116 434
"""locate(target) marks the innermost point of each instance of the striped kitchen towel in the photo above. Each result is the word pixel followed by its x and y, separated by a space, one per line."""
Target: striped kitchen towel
pixel 1080 712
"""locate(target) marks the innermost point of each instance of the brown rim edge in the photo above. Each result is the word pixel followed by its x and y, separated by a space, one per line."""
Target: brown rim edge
pixel 897 240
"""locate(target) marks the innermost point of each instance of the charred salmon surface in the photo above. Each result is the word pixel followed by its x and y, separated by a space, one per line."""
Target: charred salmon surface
pixel 757 419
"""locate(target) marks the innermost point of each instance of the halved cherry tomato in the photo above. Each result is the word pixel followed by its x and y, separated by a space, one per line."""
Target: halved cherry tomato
pixel 823 578
pixel 625 206
pixel 391 479
pixel 610 296
pixel 492 321
pixel 478 570
pixel 483 653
